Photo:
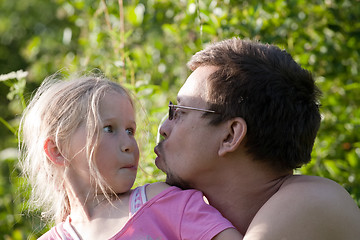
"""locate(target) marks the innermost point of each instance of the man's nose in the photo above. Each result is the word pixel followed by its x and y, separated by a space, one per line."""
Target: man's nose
pixel 165 128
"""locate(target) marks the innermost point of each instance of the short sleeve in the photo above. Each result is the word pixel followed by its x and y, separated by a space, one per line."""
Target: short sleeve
pixel 200 220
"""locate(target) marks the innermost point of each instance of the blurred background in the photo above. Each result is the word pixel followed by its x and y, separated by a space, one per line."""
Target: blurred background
pixel 145 44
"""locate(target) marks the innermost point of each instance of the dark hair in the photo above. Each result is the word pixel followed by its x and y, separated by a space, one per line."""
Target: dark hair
pixel 275 96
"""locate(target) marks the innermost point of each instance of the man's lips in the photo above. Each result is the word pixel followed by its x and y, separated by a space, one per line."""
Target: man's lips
pixel 157 151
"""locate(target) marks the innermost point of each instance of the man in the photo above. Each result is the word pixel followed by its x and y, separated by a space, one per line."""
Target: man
pixel 246 117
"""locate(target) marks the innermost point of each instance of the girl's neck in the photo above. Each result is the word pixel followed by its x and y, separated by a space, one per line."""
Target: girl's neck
pixel 100 217
pixel 85 210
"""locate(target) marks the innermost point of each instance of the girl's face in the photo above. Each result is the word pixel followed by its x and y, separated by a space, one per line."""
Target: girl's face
pixel 117 153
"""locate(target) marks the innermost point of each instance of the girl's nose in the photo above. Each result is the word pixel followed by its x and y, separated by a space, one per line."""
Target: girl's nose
pixel 125 148
pixel 128 143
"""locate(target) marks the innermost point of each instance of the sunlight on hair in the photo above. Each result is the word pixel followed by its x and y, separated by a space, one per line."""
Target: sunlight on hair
pixel 159 138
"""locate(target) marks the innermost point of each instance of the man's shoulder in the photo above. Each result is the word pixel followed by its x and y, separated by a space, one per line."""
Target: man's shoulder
pixel 308 207
pixel 312 193
pixel 310 186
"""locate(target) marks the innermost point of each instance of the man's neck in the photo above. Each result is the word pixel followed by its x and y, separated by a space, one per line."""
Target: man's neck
pixel 239 195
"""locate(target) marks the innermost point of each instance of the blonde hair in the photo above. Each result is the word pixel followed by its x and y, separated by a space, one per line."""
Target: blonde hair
pixel 55 112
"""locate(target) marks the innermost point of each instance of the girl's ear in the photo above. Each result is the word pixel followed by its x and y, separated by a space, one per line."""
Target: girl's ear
pixel 235 131
pixel 53 153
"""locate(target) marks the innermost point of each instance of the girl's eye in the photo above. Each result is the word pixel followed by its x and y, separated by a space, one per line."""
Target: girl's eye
pixel 108 129
pixel 130 131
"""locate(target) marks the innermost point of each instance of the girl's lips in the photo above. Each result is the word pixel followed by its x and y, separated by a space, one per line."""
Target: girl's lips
pixel 131 167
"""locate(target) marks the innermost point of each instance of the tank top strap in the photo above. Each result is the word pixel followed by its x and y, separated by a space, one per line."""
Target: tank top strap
pixel 64 231
pixel 137 199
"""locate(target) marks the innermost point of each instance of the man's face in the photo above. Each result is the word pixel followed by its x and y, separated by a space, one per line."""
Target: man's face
pixel 190 144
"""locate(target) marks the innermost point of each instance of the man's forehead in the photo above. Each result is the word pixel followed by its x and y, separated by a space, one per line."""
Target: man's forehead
pixel 196 85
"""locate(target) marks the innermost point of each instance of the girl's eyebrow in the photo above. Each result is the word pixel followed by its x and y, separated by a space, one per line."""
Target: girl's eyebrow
pixel 134 123
pixel 111 118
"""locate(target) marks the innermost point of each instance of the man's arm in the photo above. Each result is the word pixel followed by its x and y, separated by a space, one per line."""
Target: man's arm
pixel 309 208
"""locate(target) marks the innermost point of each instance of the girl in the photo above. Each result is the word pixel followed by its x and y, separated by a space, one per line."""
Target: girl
pixel 81 158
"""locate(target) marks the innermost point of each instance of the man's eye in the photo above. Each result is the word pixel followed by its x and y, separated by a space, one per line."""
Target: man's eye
pixel 130 131
pixel 177 113
pixel 108 129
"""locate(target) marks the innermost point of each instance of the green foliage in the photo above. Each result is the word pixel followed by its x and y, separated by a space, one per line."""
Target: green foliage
pixel 144 44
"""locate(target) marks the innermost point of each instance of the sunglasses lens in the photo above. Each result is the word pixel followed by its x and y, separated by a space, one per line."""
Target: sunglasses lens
pixel 171 111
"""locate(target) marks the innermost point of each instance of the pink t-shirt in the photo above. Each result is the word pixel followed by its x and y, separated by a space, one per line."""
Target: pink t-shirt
pixel 172 214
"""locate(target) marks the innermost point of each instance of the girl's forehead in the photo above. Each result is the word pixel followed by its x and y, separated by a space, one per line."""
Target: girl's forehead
pixel 112 95
pixel 116 104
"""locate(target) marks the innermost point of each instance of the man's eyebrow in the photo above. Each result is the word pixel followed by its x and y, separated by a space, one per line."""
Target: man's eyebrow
pixel 178 100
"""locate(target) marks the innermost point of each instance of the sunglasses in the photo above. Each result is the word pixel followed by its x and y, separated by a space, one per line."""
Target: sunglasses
pixel 172 109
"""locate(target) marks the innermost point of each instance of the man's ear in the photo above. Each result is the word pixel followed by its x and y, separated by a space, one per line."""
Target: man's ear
pixel 53 153
pixel 235 131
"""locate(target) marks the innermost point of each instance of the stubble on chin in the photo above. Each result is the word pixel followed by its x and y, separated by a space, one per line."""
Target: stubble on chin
pixel 176 181
pixel 171 179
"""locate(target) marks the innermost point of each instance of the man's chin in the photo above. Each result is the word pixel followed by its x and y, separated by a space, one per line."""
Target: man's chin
pixel 159 164
pixel 177 182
